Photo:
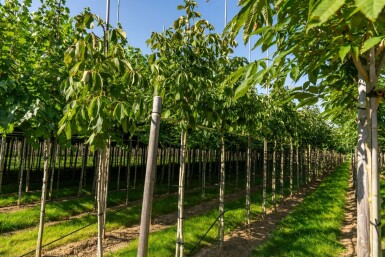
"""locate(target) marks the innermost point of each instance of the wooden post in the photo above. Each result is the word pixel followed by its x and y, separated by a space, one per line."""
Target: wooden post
pixel 149 181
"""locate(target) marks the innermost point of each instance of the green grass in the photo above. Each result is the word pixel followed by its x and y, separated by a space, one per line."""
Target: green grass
pixel 35 196
pixel 313 228
pixel 22 241
pixel 162 243
pixel 58 211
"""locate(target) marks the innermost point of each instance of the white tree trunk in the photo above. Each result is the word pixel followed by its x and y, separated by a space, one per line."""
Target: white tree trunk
pixel 265 156
pixel 179 236
pixel 22 161
pixel 84 168
pixel 281 174
pixel 248 167
pixel 128 170
pixel 43 198
pixel 221 227
pixel 54 149
pixel 363 245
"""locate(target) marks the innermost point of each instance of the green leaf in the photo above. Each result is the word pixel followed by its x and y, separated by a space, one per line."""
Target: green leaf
pixel 166 114
pixel 370 8
pixel 324 11
pixel 75 69
pixel 122 33
pixel 93 109
pixel 120 112
pixel 344 50
pixel 99 124
pixel 294 74
pixel 370 43
pixel 68 130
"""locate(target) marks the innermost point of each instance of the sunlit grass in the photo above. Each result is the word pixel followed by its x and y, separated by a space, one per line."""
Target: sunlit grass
pixel 21 242
pixel 313 228
pixel 162 243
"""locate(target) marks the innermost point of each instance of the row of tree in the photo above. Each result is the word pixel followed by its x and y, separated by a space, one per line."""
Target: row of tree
pixel 60 78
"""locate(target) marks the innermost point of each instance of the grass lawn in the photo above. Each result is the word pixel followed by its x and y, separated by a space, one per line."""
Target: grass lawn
pixel 21 242
pixel 313 228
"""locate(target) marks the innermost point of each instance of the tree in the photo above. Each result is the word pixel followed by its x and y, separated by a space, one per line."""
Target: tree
pixel 319 35
pixel 101 91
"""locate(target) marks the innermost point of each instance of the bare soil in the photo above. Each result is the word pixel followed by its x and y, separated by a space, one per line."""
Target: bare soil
pixel 349 231
pixel 242 241
pixel 119 238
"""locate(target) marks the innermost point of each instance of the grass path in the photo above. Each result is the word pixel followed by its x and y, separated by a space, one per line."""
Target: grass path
pixel 313 228
pixel 20 242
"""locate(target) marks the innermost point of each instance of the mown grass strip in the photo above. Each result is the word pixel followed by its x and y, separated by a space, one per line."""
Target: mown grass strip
pixel 57 211
pixel 313 228
pixel 162 243
pixel 23 241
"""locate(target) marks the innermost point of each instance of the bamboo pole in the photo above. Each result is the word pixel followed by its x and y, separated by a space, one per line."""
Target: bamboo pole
pixel 149 181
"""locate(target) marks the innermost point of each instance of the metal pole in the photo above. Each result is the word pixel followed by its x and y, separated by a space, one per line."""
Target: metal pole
pixel 225 12
pixel 118 12
pixel 150 176
pixel 107 13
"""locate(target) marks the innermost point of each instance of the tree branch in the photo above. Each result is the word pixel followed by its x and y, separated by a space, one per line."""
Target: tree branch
pixel 359 66
pixel 380 65
pixel 380 48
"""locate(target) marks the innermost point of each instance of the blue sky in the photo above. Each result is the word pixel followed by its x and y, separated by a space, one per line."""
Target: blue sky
pixel 141 17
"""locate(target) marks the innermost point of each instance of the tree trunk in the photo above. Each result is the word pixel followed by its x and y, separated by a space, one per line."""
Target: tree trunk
pixel 84 169
pixel 120 152
pixel 28 167
pixel 297 168
pixel 43 198
pixel 54 151
pixel 281 181
pixel 204 174
pixel 221 227
pixel 248 171
pixel 101 186
pixel 169 169
pixel 291 167
pixel 58 169
pixel 2 157
pixel 273 177
pixel 179 236
pixel 264 178
pixel 363 245
pixel 375 197
pixel 128 171
pixel 136 162
pixel 22 160
pixel 107 177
